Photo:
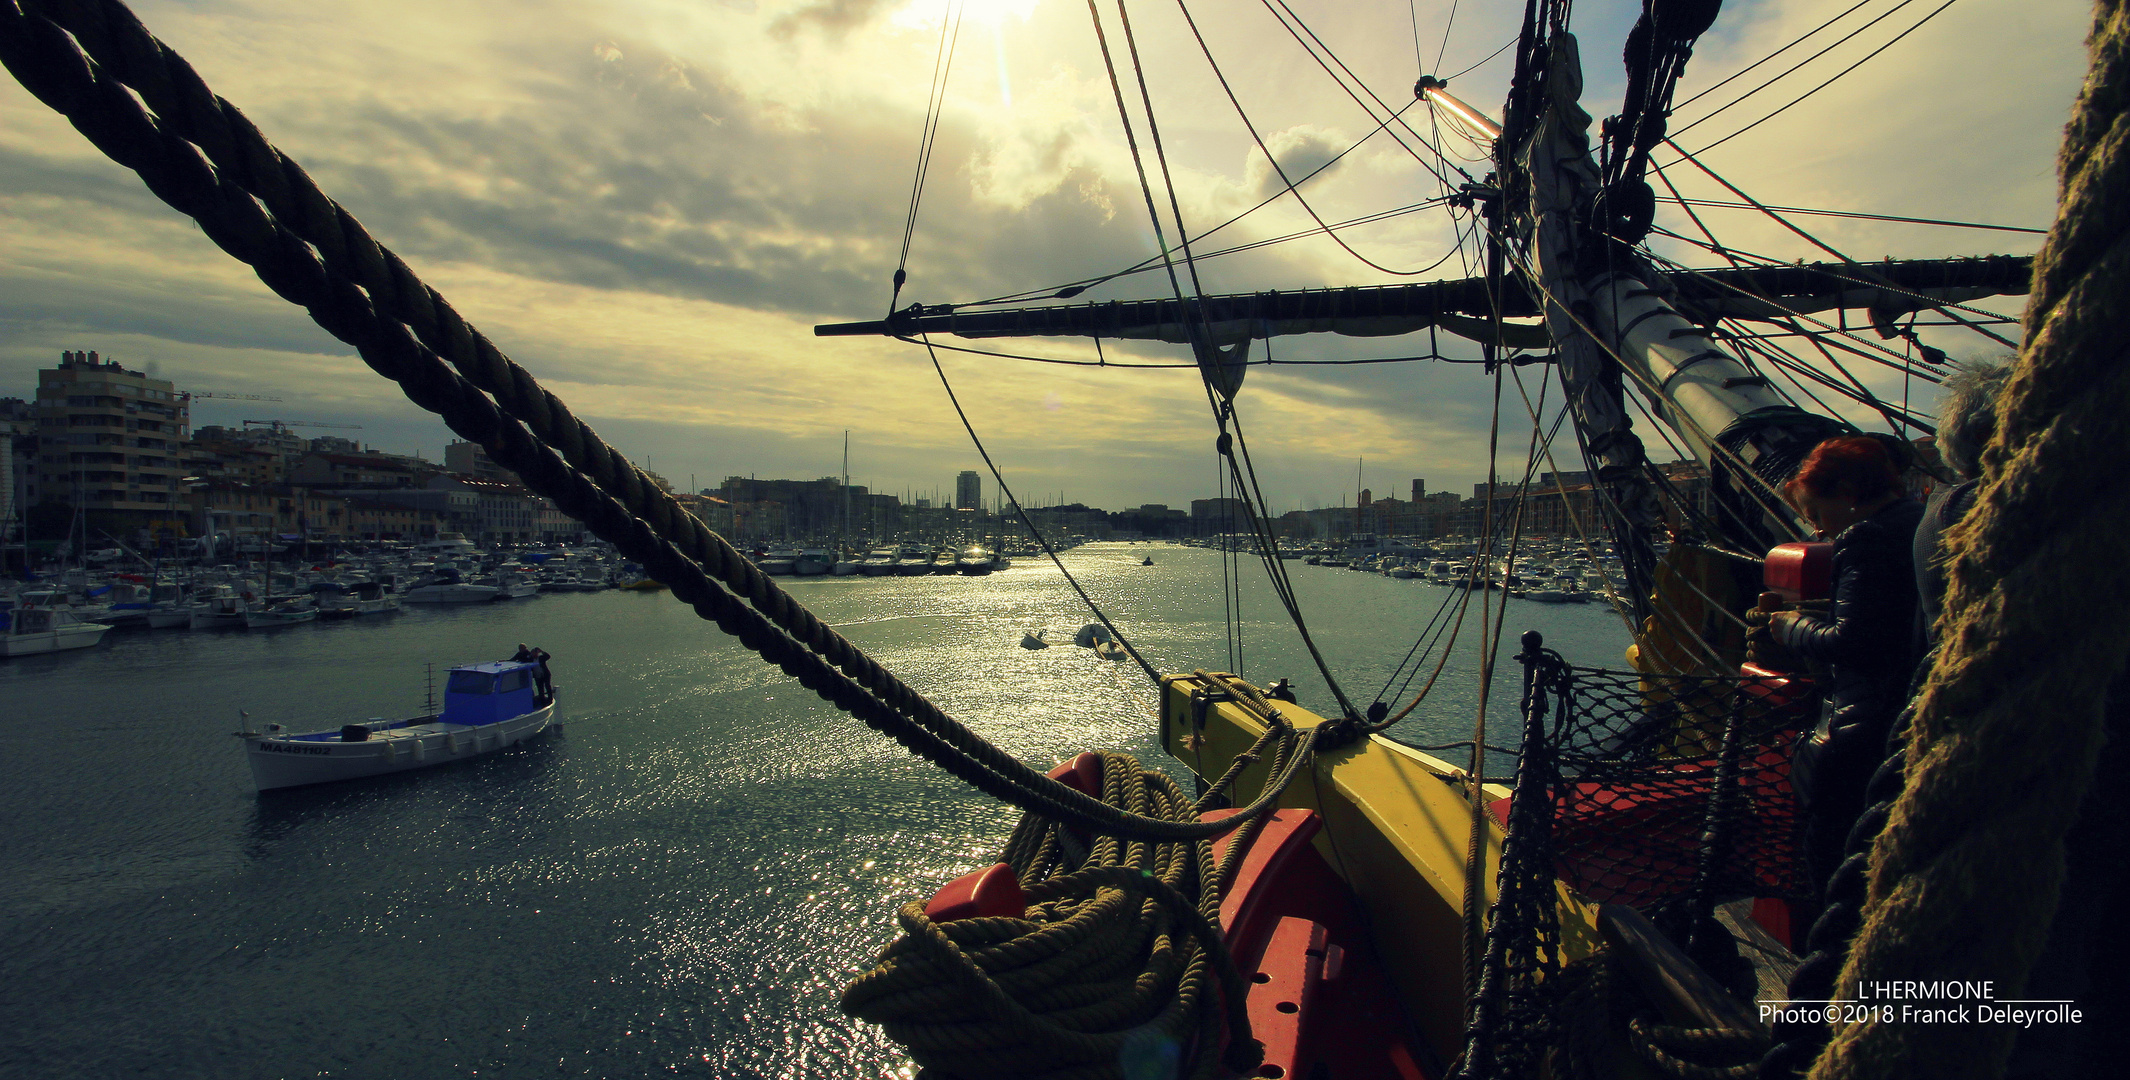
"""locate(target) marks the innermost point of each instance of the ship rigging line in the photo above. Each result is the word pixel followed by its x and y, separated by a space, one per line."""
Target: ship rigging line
pixel 1793 43
pixel 1202 345
pixel 1022 512
pixel 1822 245
pixel 142 105
pixel 1833 335
pixel 1071 289
pixel 1447 26
pixel 1895 419
pixel 1721 204
pixel 1484 580
pixel 1475 67
pixel 1947 307
pixel 1273 160
pixel 1779 508
pixel 1822 86
pixel 1787 72
pixel 935 108
pixel 1731 255
pixel 1349 75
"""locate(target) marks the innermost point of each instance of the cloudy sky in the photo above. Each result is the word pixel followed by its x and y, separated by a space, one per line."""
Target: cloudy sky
pixel 650 203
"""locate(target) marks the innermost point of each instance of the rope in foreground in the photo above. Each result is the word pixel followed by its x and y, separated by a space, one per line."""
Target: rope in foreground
pixel 1966 876
pixel 1115 969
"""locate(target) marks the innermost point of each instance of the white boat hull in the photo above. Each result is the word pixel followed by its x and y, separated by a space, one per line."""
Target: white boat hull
pixel 291 761
pixel 450 594
pixel 267 620
pixel 78 636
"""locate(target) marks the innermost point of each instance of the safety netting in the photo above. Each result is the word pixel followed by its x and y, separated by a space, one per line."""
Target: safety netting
pixel 1675 788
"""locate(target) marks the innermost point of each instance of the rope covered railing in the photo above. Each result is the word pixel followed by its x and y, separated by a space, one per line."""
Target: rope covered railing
pixel 87 59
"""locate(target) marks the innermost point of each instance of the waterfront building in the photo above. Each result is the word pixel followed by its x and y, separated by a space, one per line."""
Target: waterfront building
pixel 713 511
pixel 107 443
pixel 375 519
pixel 237 462
pixel 354 470
pixel 471 459
pixel 968 491
pixel 807 508
pixel 1219 515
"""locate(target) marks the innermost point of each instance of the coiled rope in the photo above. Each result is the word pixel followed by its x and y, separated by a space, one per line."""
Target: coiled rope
pixel 1967 873
pixel 1108 973
pixel 87 59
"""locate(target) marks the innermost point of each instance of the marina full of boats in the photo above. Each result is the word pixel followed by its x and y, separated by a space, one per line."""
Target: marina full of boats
pixel 74 608
pixel 1541 570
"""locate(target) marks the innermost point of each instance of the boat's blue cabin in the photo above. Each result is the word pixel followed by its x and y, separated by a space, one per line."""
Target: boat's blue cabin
pixel 486 693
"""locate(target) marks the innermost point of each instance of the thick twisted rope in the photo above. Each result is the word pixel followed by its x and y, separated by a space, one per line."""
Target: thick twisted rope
pixel 1826 942
pixel 357 290
pixel 1109 971
pixel 1966 876
pixel 125 51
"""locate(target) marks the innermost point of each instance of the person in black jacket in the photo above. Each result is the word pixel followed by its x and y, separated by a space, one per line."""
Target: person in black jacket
pixel 1850 490
pixel 543 680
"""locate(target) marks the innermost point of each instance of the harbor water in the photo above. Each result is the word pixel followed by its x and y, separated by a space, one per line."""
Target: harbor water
pixel 677 882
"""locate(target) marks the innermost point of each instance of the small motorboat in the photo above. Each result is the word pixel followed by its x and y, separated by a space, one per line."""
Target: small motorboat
pixel 281 611
pixel 1091 635
pixel 486 708
pixel 45 625
pixel 1033 639
pixel 447 587
pixel 217 607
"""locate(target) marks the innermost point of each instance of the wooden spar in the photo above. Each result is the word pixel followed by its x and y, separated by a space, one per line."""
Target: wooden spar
pixel 1460 305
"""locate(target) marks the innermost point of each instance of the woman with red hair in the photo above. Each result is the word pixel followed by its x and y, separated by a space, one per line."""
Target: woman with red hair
pixel 1850 490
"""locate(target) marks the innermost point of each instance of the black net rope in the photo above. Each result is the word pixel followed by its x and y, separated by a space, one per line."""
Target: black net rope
pixel 1675 789
pixel 1667 793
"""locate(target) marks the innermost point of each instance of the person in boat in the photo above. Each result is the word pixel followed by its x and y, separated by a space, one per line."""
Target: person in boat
pixel 543 682
pixel 1850 490
pixel 1967 417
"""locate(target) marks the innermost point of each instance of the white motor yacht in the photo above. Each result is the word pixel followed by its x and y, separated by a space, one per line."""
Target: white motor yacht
pixel 42 625
pixel 447 588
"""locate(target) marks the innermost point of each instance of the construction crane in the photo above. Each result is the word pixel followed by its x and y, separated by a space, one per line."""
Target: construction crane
pixel 240 397
pixel 283 425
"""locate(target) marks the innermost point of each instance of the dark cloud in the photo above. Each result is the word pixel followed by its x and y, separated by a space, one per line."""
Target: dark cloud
pixel 1299 153
pixel 637 172
pixel 832 17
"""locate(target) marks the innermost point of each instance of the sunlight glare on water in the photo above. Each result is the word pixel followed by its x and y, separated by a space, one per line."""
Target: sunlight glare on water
pixel 682 880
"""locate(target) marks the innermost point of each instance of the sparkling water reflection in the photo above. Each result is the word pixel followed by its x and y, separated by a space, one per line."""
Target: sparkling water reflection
pixel 681 880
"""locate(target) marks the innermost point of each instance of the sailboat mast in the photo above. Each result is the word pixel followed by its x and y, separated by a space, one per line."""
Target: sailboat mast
pixel 1612 323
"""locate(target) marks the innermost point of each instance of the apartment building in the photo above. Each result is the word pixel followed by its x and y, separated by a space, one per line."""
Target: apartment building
pixel 107 442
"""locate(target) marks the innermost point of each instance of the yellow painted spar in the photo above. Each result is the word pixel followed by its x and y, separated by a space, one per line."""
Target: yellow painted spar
pixel 1396 826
